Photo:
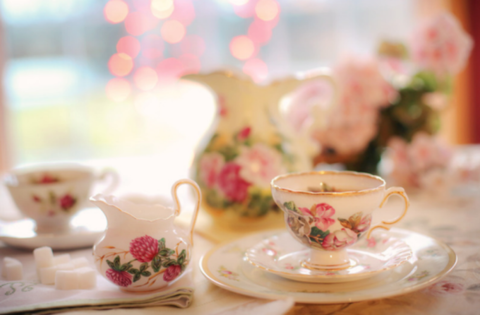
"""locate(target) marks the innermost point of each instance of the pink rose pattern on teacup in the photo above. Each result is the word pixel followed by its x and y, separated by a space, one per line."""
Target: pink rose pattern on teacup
pixel 45 179
pixel 153 257
pixel 441 46
pixel 54 205
pixel 237 174
pixel 311 226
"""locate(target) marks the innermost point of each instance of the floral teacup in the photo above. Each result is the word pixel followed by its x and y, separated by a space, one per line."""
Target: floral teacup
pixel 329 211
pixel 52 194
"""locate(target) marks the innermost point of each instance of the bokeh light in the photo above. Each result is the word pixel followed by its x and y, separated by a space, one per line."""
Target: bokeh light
pixel 145 78
pixel 238 2
pixel 118 89
pixel 152 46
pixel 161 5
pixel 191 63
pixel 266 10
pixel 242 47
pixel 259 32
pixel 138 23
pixel 172 31
pixel 120 64
pixel 128 45
pixel 170 69
pixel 246 10
pixel 163 14
pixel 193 44
pixel 115 11
pixel 184 12
pixel 256 68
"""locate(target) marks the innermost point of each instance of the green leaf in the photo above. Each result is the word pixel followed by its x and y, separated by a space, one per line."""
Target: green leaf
pixel 133 271
pixel 116 262
pixel 125 267
pixel 110 264
pixel 146 273
pixel 183 254
pixel 171 252
pixel 156 263
pixel 161 244
pixel 164 252
pixel 143 267
pixel 318 234
pixel 136 277
pixel 291 206
pixel 169 262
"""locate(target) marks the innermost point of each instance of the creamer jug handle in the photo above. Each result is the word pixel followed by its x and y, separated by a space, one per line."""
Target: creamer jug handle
pixel 197 204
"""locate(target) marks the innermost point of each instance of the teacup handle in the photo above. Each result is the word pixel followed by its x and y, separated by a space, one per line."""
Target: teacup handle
pixel 177 202
pixel 115 180
pixel 390 192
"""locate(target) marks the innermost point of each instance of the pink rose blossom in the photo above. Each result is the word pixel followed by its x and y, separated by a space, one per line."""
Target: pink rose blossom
pixel 260 164
pixel 321 214
pixel 210 166
pixel 353 122
pixel 172 272
pixel 67 201
pixel 423 156
pixel 364 223
pixel 144 248
pixel 232 184
pixel 121 278
pixel 339 239
pixel 440 45
pixel 244 133
pixel 446 287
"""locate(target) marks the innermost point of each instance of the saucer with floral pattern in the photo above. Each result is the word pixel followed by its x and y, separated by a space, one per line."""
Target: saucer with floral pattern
pixel 282 255
pixel 227 267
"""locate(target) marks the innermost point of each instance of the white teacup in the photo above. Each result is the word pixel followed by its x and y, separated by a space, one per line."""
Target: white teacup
pixel 329 220
pixel 52 194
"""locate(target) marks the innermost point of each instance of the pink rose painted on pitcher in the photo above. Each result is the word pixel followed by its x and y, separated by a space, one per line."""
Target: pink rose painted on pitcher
pixel 210 166
pixel 144 248
pixel 260 164
pixel 172 272
pixel 120 278
pixel 232 184
pixel 440 45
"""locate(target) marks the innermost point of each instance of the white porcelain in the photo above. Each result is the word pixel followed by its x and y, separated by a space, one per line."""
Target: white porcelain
pixel 281 255
pixel 141 249
pixel 330 221
pixel 85 228
pixel 227 267
pixel 51 194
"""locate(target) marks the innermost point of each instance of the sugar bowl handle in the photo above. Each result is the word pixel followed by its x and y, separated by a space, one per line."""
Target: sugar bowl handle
pixel 390 192
pixel 177 202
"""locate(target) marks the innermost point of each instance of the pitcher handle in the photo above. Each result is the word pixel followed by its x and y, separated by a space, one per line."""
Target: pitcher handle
pixel 115 180
pixel 388 193
pixel 177 202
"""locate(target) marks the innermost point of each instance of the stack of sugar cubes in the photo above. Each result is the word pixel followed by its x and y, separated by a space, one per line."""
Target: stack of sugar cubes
pixel 63 272
pixel 12 269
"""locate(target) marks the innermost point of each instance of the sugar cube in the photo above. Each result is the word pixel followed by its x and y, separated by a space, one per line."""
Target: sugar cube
pixel 80 262
pixel 14 270
pixel 67 266
pixel 66 280
pixel 87 278
pixel 43 257
pixel 47 275
pixel 61 259
pixel 6 260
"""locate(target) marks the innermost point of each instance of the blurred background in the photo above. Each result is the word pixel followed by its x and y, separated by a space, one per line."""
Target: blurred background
pixel 96 80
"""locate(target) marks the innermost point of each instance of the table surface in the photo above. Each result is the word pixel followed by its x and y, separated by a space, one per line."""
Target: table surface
pixel 452 220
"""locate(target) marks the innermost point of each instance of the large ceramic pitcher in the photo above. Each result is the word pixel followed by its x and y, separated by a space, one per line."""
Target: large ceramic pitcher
pixel 141 249
pixel 250 145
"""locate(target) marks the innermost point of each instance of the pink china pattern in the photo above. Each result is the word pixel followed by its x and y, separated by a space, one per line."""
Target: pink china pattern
pixel 280 255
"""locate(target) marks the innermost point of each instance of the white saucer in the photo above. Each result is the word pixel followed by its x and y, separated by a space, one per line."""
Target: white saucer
pixel 227 267
pixel 282 255
pixel 86 228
